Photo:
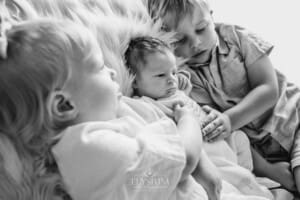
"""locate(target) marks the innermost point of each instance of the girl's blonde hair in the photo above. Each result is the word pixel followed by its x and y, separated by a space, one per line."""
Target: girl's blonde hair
pixel 38 61
pixel 25 121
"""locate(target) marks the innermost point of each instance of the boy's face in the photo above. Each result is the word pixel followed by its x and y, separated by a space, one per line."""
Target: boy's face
pixel 196 36
pixel 93 89
pixel 158 77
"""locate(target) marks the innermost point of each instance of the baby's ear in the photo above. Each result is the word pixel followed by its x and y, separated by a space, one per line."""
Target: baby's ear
pixel 62 107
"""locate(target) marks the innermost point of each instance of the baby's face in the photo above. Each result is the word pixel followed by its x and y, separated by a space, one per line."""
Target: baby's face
pixel 196 36
pixel 158 78
pixel 93 89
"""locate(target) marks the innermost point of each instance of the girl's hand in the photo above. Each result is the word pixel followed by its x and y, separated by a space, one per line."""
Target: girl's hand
pixel 216 125
pixel 184 83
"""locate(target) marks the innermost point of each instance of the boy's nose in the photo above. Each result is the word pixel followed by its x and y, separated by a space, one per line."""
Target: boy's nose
pixel 195 45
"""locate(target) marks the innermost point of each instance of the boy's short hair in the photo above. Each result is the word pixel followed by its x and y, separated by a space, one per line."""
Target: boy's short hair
pixel 138 50
pixel 178 8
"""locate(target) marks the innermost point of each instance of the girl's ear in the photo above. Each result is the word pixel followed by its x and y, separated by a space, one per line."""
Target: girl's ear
pixel 62 107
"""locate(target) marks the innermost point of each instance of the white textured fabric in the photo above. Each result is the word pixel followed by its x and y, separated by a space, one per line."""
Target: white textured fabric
pixel 129 159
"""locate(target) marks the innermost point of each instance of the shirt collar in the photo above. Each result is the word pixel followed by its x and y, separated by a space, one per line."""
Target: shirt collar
pixel 221 45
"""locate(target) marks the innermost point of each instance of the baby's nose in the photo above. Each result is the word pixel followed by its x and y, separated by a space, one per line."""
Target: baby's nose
pixel 171 81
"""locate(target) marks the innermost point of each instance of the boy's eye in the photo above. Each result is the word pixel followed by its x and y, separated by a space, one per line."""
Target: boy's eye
pixel 199 31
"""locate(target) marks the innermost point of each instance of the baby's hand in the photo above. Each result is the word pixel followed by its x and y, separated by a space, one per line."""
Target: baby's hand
pixel 216 125
pixel 180 111
pixel 167 107
pixel 184 83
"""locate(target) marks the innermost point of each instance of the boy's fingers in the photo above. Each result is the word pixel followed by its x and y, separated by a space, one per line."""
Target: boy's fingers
pixel 209 118
pixel 212 129
pixel 207 109
pixel 216 135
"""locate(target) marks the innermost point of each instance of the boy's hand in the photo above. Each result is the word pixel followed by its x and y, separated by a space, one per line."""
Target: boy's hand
pixel 216 125
pixel 184 83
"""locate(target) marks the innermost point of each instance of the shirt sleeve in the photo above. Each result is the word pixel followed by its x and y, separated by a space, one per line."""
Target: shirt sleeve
pixel 101 162
pixel 295 153
pixel 252 46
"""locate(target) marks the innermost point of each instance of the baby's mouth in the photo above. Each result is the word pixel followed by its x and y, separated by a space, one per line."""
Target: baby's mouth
pixel 171 91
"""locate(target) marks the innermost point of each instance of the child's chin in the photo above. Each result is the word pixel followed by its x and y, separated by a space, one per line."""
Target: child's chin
pixel 170 93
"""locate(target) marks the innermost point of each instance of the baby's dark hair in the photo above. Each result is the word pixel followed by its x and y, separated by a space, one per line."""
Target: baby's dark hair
pixel 138 50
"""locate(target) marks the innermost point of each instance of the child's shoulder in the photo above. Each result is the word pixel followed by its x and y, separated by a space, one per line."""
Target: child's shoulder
pixel 227 29
pixel 230 32
pixel 233 34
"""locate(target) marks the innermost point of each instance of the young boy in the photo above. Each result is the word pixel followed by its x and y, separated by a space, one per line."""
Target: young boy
pixel 231 71
pixel 153 65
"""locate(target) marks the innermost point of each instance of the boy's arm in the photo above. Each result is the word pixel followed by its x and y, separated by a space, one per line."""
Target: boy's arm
pixel 263 96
